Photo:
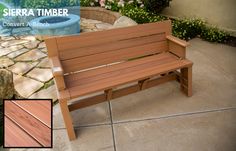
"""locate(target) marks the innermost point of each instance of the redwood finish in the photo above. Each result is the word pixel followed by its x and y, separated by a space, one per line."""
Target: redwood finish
pixel 13 134
pixel 102 61
pixel 27 123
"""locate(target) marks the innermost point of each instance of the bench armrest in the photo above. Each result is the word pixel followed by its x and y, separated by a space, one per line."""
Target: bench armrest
pixel 177 41
pixel 58 73
pixel 177 46
pixel 57 69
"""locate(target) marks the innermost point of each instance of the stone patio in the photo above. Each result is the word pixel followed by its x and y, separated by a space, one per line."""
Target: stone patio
pixel 160 118
pixel 26 57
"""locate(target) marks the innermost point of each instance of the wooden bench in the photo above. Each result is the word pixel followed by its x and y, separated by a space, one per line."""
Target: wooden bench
pixel 102 61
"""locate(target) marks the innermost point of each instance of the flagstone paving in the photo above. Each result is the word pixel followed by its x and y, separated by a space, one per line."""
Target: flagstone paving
pixel 26 86
pixel 26 57
pixel 22 67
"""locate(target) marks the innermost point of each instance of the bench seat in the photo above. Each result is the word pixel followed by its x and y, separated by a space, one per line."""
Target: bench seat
pixel 94 67
pixel 110 76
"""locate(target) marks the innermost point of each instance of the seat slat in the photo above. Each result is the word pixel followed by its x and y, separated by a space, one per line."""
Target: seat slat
pixel 116 71
pixel 115 78
pixel 121 66
pixel 124 79
pixel 103 76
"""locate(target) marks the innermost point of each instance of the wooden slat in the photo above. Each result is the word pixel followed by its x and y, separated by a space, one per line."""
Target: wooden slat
pixel 176 49
pixel 87 102
pixel 28 123
pixel 16 137
pixel 117 80
pixel 115 73
pixel 120 68
pixel 93 38
pixel 111 57
pixel 125 91
pixel 39 109
pixel 123 79
pixel 177 41
pixel 135 43
pixel 52 48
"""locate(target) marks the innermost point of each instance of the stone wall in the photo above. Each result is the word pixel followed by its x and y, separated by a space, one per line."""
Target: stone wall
pixel 98 13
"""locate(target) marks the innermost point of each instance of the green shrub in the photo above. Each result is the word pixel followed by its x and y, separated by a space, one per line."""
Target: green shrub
pixel 187 28
pixel 213 34
pixel 156 6
pixel 112 5
pixel 48 3
pixel 88 3
pixel 118 5
pixel 140 15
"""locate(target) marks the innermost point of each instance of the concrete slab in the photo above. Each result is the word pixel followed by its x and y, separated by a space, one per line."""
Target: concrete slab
pixel 94 115
pixel 213 88
pixel 88 139
pixel 214 131
pixel 223 56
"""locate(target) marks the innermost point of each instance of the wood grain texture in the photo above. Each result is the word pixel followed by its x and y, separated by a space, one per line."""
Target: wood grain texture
pixel 27 122
pixel 111 76
pixel 123 54
pixel 107 36
pixel 41 110
pixel 16 137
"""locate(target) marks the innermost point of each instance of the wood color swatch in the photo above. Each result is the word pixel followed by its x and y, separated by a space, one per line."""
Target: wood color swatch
pixel 27 123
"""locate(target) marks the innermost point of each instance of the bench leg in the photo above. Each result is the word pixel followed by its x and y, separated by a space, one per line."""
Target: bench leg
pixel 186 80
pixel 67 119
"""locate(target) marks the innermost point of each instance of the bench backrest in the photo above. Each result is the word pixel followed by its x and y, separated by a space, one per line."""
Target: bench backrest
pixel 103 47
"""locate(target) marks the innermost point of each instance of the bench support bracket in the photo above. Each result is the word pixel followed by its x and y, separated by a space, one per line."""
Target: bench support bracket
pixel 109 94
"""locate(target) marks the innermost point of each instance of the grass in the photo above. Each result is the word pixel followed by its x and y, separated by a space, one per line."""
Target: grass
pixel 1 10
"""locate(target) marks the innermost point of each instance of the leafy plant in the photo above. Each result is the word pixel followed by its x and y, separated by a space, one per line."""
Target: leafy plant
pixel 187 28
pixel 190 28
pixel 213 34
pixel 48 3
pixel 88 3
pixel 140 15
pixel 156 6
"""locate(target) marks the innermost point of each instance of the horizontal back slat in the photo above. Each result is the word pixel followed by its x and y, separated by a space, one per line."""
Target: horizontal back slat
pixel 103 47
pixel 93 38
pixel 112 46
pixel 113 56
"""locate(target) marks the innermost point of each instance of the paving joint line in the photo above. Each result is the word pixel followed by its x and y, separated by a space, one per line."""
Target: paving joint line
pixel 155 118
pixel 175 115
pixel 112 126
